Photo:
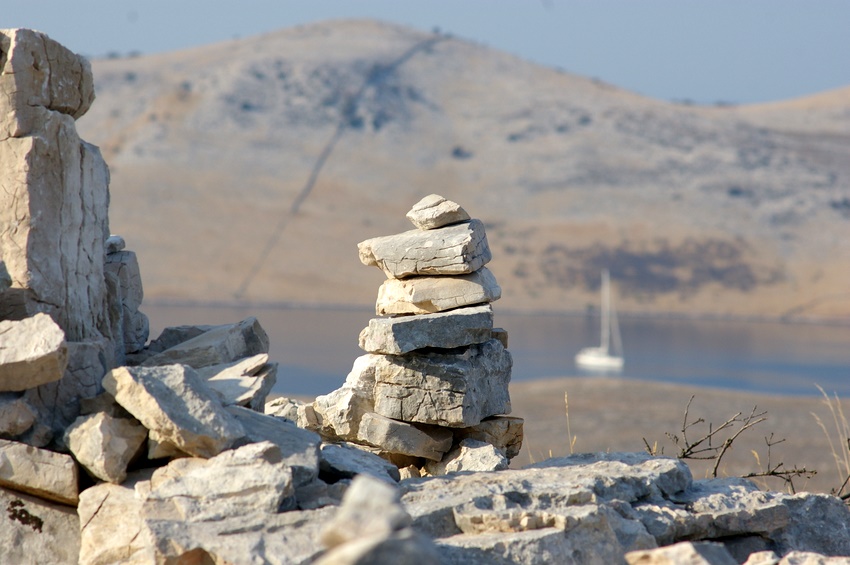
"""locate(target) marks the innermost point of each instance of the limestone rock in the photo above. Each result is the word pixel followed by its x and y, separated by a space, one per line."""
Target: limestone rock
pixel 404 546
pixel 339 412
pixel 370 508
pixel 112 529
pixel 426 295
pixel 57 194
pixel 452 250
pixel 276 539
pixel 174 402
pixel 699 553
pixel 42 473
pixel 246 382
pixel 161 448
pixel 456 389
pixel 105 445
pixel 175 335
pixel 299 448
pixel 556 486
pixel 32 352
pixel 35 531
pixel 343 461
pixel 814 523
pixel 39 73
pixel 16 415
pixel 502 432
pixel 283 407
pixel 470 455
pixel 134 325
pixel 222 344
pixel 446 330
pixel 430 442
pixel 252 478
pixel 57 404
pixel 114 244
pixel 434 211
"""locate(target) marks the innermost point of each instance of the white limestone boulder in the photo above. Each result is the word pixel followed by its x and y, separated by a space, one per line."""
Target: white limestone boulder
pixel 57 194
pixel 502 432
pixel 445 330
pixel 111 525
pixel 469 456
pixel 299 448
pixel 35 531
pixel 370 507
pixel 105 445
pixel 39 472
pixel 174 402
pixel 371 526
pixel 246 382
pixel 58 404
pixel 456 389
pixel 221 344
pixel 339 412
pixel 126 299
pixel 16 415
pixel 452 250
pixel 39 73
pixel 429 294
pixel 32 352
pixel 252 478
pixel 344 461
pixel 434 211
pixel 430 442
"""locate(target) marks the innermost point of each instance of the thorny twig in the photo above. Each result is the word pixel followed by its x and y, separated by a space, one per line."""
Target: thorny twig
pixel 706 448
pixel 778 471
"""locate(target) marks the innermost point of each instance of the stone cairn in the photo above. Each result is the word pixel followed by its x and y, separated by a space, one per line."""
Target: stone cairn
pixel 114 450
pixel 431 394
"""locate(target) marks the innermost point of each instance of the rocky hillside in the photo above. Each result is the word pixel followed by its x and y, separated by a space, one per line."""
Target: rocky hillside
pixel 248 170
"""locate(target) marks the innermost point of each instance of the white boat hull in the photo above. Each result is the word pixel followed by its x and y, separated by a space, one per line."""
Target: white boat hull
pixel 598 358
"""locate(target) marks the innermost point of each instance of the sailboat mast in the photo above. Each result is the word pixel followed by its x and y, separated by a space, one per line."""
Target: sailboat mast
pixel 606 324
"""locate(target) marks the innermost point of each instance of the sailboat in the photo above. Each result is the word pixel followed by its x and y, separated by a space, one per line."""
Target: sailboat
pixel 609 354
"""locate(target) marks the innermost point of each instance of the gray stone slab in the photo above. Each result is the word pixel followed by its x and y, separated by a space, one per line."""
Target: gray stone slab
pixel 456 389
pixel 32 352
pixel 446 330
pixel 424 295
pixel 434 211
pixel 452 250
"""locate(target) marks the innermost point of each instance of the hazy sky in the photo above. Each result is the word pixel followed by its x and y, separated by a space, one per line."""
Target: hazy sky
pixel 703 50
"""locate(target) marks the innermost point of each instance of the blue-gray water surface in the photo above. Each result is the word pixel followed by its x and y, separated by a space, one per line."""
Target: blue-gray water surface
pixel 316 347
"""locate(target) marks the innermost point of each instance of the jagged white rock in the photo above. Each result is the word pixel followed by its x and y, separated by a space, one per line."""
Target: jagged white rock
pixel 434 211
pixel 425 295
pixel 469 455
pixel 446 330
pixel 452 250
pixel 173 401
pixel 456 389
pixel 32 352
pixel 105 445
pixel 430 442
pixel 46 474
pixel 221 344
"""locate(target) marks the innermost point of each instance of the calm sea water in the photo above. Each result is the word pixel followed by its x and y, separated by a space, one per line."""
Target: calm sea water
pixel 315 348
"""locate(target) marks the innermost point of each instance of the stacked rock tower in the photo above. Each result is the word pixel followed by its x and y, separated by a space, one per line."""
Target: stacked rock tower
pixel 431 395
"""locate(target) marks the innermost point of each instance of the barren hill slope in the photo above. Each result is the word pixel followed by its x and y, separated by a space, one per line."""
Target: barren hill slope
pixel 250 169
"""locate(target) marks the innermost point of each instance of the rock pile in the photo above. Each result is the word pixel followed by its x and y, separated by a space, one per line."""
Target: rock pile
pixel 431 395
pixel 117 451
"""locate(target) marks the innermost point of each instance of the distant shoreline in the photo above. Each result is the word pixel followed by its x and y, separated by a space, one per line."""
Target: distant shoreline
pixel 292 305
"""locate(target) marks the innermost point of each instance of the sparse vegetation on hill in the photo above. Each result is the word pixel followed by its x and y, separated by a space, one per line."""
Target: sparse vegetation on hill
pixel 261 154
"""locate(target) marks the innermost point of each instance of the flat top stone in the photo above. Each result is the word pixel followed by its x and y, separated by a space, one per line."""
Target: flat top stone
pixel 429 294
pixel 434 211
